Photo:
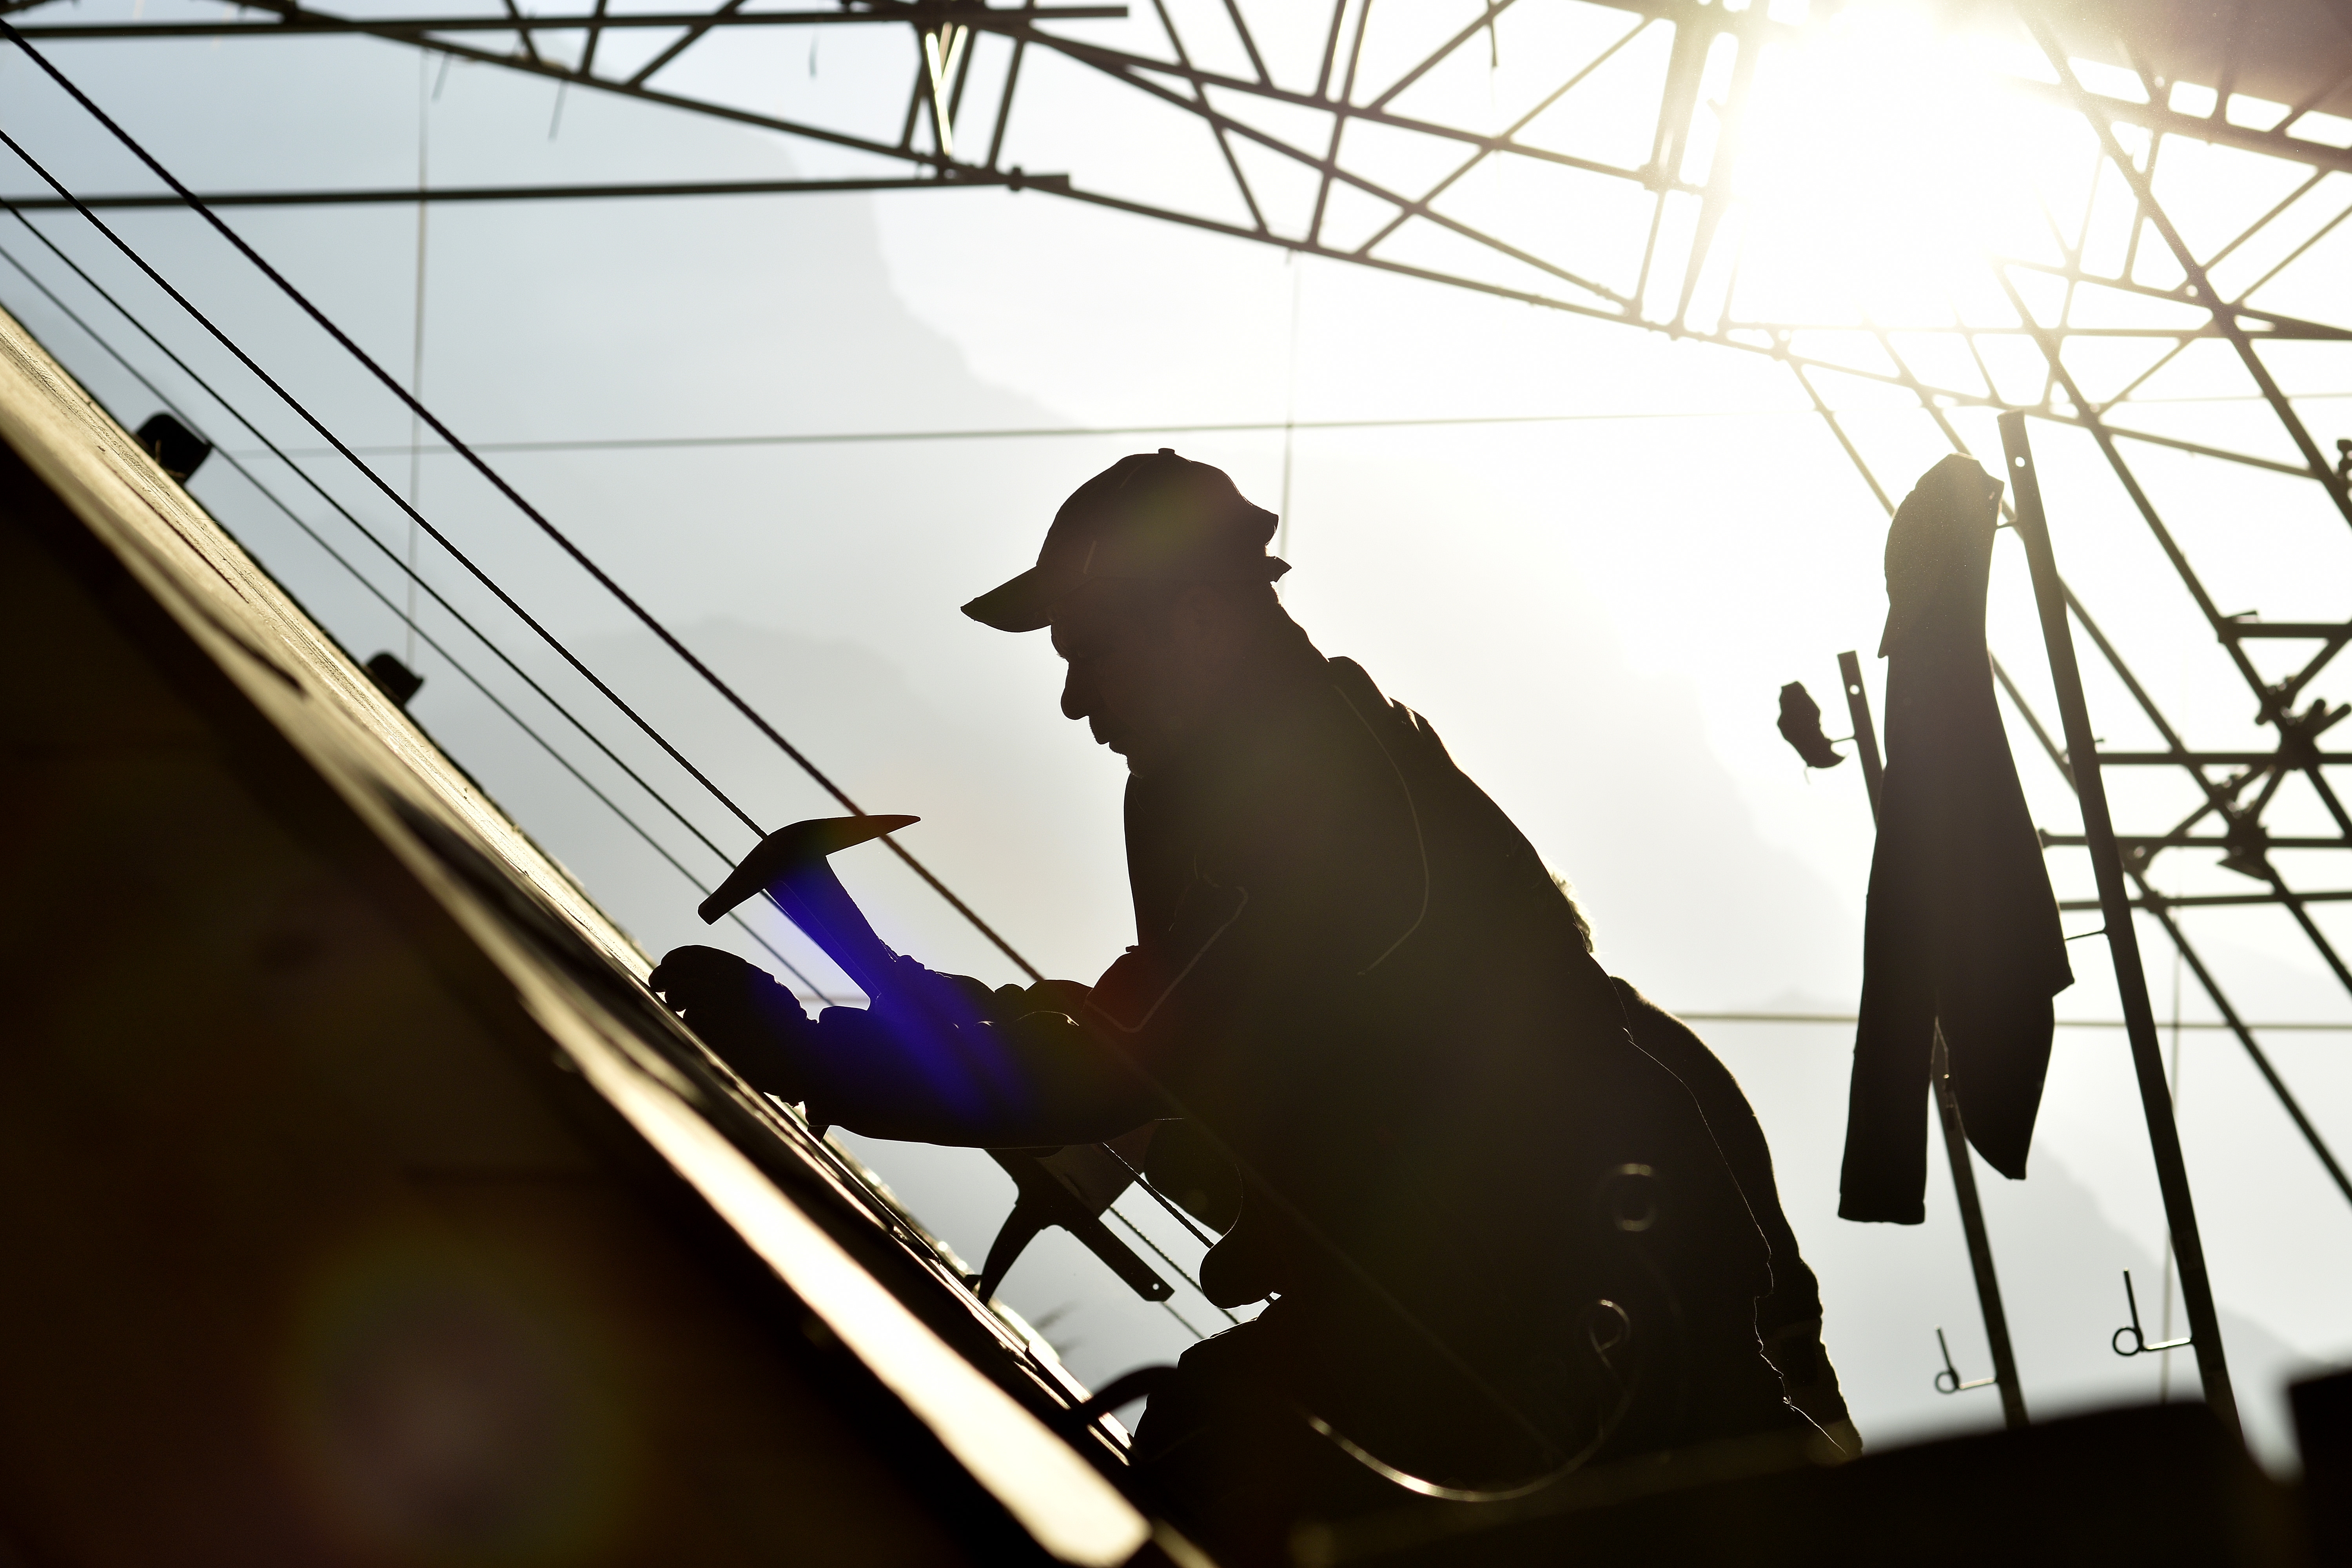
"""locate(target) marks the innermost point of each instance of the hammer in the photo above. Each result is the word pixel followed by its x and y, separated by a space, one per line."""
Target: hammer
pixel 1070 1187
pixel 789 865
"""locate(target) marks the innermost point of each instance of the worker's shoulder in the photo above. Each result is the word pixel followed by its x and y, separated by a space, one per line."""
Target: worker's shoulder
pixel 1363 696
pixel 1354 683
pixel 1648 1020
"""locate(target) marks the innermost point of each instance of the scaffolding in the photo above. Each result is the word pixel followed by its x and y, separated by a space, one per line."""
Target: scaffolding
pixel 1612 160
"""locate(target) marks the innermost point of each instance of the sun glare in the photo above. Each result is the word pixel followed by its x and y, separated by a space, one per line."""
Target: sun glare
pixel 1883 162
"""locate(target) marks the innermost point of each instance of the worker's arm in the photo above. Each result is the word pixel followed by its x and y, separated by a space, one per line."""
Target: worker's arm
pixel 1315 877
pixel 952 1062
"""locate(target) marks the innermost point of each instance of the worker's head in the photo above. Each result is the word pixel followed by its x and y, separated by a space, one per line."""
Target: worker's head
pixel 1155 580
pixel 1147 664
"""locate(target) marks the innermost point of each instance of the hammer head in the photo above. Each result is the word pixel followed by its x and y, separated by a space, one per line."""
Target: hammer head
pixel 791 850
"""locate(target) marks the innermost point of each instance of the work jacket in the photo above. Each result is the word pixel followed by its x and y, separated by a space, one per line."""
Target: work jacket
pixel 1356 976
pixel 1963 935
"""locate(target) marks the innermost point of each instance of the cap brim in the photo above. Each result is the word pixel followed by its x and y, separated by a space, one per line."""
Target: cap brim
pixel 1024 605
pixel 1027 602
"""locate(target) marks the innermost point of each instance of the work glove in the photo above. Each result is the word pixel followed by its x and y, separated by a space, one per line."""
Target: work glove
pixel 756 1025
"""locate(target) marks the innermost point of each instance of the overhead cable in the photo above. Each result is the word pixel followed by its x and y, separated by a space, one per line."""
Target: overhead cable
pixel 381 548
pixel 495 480
pixel 409 620
pixel 1047 432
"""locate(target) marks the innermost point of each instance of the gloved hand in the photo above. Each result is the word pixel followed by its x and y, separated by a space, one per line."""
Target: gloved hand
pixel 756 1025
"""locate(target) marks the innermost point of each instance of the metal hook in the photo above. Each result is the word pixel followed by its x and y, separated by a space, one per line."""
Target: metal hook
pixel 2140 1340
pixel 1952 1372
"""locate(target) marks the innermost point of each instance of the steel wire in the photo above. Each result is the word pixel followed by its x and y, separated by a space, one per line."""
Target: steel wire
pixel 404 616
pixel 475 461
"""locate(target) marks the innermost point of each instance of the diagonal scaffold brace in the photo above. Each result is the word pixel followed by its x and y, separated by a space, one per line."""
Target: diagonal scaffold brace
pixel 2122 940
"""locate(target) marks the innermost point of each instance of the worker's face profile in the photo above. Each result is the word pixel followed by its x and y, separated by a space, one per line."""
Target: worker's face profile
pixel 1116 670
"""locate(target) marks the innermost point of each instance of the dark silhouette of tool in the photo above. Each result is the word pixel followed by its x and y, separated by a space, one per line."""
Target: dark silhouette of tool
pixel 790 865
pixel 1070 1187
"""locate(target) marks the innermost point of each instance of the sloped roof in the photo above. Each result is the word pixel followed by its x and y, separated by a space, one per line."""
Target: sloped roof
pixel 526 932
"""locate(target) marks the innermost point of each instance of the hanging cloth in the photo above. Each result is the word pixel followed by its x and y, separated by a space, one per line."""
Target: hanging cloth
pixel 1962 930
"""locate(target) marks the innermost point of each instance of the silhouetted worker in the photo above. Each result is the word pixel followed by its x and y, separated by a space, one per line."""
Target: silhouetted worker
pixel 1500 1235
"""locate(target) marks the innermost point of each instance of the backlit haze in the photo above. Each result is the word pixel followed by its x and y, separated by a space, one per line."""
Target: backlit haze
pixel 1594 596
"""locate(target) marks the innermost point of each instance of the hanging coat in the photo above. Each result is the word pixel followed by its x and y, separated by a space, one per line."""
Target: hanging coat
pixel 1962 928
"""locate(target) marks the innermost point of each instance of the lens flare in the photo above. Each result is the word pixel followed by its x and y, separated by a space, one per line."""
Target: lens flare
pixel 440 1412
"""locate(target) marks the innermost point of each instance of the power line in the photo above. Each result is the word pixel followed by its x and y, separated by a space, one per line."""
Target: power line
pixel 2301 1026
pixel 489 474
pixel 972 179
pixel 407 618
pixel 439 537
pixel 383 549
pixel 1047 432
pixel 408 30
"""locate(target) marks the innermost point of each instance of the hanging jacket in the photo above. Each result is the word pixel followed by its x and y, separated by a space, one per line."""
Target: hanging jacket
pixel 1962 931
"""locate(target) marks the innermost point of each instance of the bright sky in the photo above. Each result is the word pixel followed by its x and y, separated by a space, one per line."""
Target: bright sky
pixel 1596 611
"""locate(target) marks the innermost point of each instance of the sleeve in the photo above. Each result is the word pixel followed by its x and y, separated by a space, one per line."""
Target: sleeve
pixel 947 1060
pixel 1310 878
pixel 1309 874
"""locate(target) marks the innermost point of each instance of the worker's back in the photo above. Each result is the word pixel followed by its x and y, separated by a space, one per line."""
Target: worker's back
pixel 1501 1232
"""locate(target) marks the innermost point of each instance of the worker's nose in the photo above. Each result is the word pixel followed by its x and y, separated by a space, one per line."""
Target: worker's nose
pixel 1077 697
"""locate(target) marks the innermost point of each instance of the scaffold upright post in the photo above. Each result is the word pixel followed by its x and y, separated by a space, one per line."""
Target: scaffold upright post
pixel 2123 941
